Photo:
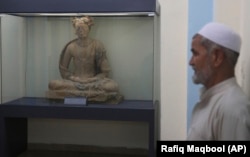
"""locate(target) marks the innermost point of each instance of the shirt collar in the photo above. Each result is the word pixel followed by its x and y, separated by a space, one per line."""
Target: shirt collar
pixel 222 86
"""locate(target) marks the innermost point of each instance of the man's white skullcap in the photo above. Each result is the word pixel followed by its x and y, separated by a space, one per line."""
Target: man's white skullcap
pixel 222 35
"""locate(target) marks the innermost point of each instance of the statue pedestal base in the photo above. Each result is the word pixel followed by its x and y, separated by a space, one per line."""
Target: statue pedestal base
pixel 95 97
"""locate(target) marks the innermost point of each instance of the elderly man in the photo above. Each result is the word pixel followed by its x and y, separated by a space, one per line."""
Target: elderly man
pixel 223 112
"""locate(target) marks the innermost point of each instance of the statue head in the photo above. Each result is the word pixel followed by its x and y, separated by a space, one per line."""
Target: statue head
pixel 83 20
pixel 82 26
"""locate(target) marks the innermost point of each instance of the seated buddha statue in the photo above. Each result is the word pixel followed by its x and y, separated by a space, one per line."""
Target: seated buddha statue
pixel 89 77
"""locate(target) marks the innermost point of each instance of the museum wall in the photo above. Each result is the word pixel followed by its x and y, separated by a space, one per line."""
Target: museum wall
pixel 173 102
pixel 239 19
pixel 244 59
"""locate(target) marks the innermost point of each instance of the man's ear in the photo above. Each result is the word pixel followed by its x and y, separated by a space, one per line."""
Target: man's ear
pixel 218 57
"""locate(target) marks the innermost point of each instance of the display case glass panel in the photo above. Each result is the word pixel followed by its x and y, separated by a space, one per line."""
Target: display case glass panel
pixel 31 47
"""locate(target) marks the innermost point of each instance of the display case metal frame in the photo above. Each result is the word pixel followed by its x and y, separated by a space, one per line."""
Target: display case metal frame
pixel 78 6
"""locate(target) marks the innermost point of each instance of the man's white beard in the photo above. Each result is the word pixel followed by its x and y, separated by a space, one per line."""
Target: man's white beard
pixel 201 77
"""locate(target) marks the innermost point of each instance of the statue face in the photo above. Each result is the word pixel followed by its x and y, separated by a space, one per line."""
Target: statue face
pixel 81 29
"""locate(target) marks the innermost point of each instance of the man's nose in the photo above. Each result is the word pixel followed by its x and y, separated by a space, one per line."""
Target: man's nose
pixel 191 61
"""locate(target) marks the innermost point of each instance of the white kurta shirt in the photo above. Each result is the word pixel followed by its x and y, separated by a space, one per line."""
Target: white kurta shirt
pixel 223 113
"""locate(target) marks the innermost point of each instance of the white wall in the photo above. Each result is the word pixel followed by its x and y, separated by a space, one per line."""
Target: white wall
pixel 238 19
pixel 245 55
pixel 173 110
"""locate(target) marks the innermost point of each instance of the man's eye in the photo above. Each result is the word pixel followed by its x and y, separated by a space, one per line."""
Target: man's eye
pixel 195 53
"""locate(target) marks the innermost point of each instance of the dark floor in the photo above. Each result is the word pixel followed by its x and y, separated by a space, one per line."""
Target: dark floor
pixel 52 153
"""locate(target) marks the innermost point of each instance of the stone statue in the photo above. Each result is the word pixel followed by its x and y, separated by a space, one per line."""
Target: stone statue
pixel 90 75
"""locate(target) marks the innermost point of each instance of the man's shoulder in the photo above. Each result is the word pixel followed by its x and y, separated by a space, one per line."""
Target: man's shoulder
pixel 234 101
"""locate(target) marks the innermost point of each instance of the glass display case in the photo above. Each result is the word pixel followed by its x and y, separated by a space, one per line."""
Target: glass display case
pixel 31 45
pixel 33 35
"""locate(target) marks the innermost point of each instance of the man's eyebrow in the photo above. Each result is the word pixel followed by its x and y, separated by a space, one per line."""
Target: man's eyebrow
pixel 193 50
